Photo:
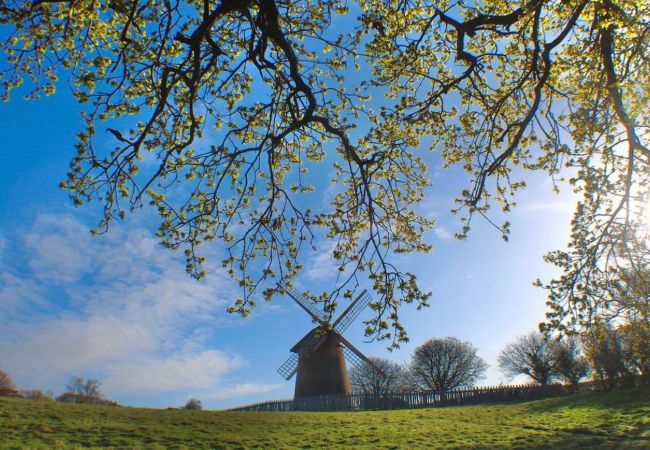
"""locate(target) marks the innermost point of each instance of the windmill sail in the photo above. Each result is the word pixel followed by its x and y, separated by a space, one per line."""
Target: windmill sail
pixel 355 357
pixel 352 358
pixel 289 367
pixel 351 312
pixel 304 303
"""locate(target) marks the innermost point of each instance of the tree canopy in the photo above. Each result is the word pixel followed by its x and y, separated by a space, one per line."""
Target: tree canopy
pixel 443 364
pixel 239 102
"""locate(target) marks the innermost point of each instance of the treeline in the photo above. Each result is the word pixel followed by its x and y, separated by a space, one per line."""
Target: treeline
pixel 610 355
pixel 78 390
pixel 440 364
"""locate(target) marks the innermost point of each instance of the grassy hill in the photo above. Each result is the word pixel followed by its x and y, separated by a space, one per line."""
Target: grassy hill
pixel 616 419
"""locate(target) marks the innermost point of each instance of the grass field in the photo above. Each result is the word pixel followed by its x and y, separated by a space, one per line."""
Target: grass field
pixel 616 419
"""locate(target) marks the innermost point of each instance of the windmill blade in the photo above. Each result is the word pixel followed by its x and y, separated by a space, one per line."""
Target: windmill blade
pixel 307 345
pixel 317 343
pixel 289 367
pixel 352 312
pixel 303 302
pixel 310 342
pixel 355 357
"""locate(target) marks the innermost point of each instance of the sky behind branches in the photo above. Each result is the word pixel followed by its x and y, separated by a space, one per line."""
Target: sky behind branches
pixel 120 308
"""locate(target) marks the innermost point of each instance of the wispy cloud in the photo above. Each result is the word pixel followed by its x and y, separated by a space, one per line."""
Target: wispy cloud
pixel 545 206
pixel 240 390
pixel 179 371
pixel 321 264
pixel 117 307
pixel 443 233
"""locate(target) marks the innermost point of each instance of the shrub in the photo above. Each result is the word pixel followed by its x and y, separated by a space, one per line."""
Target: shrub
pixel 7 386
pixel 35 394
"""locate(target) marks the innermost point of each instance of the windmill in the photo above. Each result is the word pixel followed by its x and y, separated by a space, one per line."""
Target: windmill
pixel 319 357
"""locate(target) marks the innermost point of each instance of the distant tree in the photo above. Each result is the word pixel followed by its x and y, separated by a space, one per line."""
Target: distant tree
pixel 445 364
pixel 366 380
pixel 35 394
pixel 604 348
pixel 7 386
pixel 193 404
pixel 530 355
pixel 568 361
pixel 79 390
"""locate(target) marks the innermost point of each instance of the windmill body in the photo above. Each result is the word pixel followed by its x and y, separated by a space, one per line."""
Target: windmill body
pixel 319 358
pixel 322 371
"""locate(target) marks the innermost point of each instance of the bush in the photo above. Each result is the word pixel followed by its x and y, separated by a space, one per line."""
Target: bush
pixel 35 394
pixel 7 386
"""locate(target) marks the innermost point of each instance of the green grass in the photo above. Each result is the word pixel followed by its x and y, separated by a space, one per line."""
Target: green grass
pixel 616 419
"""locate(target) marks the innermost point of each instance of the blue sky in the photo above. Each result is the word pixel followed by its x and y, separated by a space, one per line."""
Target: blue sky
pixel 120 308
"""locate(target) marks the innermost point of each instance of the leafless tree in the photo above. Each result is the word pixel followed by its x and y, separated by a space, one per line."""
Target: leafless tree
pixel 79 390
pixel 530 355
pixel 445 364
pixel 366 380
pixel 568 361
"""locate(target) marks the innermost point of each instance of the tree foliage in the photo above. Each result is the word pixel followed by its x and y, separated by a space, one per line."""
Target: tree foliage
pixel 635 337
pixel 240 102
pixel 615 290
pixel 604 348
pixel 445 364
pixel 531 355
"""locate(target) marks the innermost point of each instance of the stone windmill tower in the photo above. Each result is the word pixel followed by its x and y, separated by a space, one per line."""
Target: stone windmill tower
pixel 319 357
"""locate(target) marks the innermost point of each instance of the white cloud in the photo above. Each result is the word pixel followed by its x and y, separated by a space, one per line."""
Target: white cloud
pixel 240 390
pixel 17 294
pixel 179 371
pixel 443 233
pixel 116 307
pixel 57 248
